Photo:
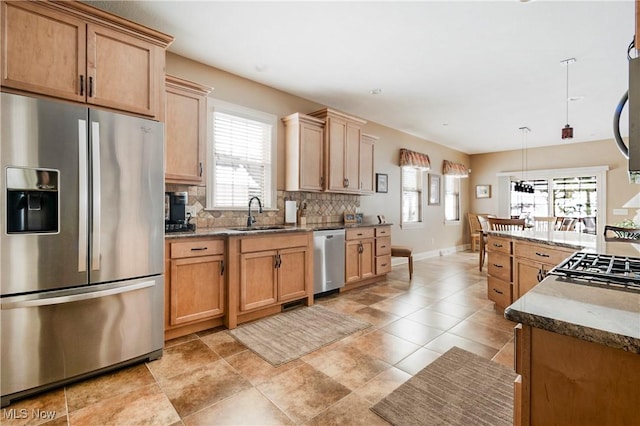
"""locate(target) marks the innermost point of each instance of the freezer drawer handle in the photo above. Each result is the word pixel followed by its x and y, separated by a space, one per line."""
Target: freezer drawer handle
pixel 76 297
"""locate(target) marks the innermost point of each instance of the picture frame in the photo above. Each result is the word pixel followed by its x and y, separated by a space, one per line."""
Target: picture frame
pixel 350 218
pixel 483 191
pixel 382 182
pixel 434 190
pixel 359 217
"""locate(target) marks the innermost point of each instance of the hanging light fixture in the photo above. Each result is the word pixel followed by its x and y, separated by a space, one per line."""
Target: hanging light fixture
pixel 523 185
pixel 567 130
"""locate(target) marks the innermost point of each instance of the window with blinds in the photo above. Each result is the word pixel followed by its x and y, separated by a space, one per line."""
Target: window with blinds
pixel 451 198
pixel 412 194
pixel 242 158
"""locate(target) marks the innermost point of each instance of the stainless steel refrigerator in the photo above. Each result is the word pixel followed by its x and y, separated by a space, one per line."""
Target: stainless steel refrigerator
pixel 81 250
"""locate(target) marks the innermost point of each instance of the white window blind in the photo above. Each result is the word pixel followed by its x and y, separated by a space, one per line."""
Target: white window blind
pixel 411 194
pixel 242 154
pixel 451 198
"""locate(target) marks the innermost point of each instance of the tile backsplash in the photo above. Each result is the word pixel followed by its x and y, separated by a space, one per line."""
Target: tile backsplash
pixel 320 208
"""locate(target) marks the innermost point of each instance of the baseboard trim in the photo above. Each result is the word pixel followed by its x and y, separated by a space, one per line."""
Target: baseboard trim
pixel 429 254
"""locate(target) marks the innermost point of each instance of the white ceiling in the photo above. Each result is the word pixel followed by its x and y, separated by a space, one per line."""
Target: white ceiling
pixel 459 73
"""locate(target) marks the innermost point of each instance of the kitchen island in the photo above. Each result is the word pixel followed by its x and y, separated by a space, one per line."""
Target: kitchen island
pixel 577 350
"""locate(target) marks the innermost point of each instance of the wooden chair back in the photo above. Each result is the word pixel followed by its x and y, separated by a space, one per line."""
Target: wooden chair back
pixel 544 223
pixel 567 224
pixel 500 224
pixel 616 233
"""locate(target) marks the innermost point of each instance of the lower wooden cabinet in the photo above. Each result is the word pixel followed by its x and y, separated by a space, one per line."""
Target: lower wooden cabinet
pixel 532 263
pixel 266 271
pixel 195 285
pixel 563 380
pixel 359 254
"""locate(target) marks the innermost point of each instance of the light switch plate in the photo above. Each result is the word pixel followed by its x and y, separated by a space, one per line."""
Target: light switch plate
pixel 620 212
pixel 190 210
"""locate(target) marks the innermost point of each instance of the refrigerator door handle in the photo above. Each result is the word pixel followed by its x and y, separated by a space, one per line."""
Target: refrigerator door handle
pixel 82 196
pixel 76 297
pixel 95 165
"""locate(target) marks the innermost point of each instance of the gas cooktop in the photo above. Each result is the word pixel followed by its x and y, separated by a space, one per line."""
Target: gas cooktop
pixel 602 270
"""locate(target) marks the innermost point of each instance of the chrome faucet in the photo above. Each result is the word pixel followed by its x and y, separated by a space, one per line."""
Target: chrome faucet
pixel 251 220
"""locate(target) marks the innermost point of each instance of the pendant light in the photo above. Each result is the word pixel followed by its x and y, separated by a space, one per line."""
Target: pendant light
pixel 567 130
pixel 523 185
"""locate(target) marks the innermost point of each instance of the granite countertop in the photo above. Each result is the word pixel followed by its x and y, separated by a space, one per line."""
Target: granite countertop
pixel 577 240
pixel 234 232
pixel 595 314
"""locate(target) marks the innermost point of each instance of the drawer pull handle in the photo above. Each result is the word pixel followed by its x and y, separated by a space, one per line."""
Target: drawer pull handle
pixel 383 246
pixel 497 266
pixel 359 235
pixel 384 264
pixel 542 254
pixel 497 245
pixel 199 248
pixel 498 291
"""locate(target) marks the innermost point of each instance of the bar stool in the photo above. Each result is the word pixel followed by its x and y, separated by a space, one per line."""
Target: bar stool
pixel 404 251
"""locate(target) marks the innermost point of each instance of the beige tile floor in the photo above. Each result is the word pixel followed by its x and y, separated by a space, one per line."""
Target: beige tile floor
pixel 210 379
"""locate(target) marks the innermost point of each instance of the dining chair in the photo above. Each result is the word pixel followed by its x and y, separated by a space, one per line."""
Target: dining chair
pixel 616 233
pixel 544 223
pixel 484 227
pixel 568 224
pixel 500 224
pixel 474 230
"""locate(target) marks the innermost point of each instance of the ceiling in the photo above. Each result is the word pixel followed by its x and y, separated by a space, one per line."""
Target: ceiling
pixel 466 75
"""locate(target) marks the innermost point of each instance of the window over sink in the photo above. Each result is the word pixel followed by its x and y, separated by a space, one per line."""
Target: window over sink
pixel 241 160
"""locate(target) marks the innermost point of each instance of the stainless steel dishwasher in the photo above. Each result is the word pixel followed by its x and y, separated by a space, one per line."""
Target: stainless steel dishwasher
pixel 328 260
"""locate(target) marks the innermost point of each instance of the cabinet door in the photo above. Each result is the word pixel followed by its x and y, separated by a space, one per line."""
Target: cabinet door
pixel 311 157
pixel 292 274
pixel 352 261
pixel 527 274
pixel 197 289
pixel 258 280
pixel 185 136
pixel 337 138
pixel 124 71
pixel 43 51
pixel 368 259
pixel 366 165
pixel 352 158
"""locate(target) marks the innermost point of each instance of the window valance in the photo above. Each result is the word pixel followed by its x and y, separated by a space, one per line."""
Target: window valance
pixel 454 169
pixel 414 159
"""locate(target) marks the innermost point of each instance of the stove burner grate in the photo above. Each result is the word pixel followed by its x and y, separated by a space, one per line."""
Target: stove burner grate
pixel 622 273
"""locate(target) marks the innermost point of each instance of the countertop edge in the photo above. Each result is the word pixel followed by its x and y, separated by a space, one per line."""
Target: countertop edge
pixel 581 332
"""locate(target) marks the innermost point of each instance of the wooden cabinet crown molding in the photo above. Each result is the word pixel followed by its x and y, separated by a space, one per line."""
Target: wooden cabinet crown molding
pixel 328 112
pixel 190 86
pixel 93 14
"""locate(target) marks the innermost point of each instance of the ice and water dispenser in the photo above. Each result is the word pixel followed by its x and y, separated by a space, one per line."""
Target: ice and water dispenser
pixel 32 200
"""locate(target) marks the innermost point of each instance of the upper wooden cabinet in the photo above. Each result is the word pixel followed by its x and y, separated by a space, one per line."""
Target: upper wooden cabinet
pixel 304 137
pixel 367 149
pixel 186 131
pixel 342 135
pixel 73 51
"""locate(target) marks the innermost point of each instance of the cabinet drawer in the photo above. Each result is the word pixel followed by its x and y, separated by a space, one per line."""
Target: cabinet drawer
pixel 498 244
pixel 383 231
pixel 273 242
pixel 383 264
pixel 357 234
pixel 499 291
pixel 542 253
pixel 500 266
pixel 196 248
pixel 383 246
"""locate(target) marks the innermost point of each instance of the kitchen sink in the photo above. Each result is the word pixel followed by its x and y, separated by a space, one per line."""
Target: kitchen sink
pixel 258 228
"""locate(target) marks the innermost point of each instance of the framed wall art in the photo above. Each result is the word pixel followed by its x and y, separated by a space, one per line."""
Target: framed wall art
pixel 483 191
pixel 382 182
pixel 434 190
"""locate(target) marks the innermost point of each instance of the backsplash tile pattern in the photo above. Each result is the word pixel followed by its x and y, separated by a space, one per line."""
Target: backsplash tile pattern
pixel 320 208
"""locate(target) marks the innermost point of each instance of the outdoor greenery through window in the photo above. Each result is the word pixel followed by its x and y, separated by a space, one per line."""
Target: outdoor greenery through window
pixel 242 157
pixel 412 194
pixel 451 198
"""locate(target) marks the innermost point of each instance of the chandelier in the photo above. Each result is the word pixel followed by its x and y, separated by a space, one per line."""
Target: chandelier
pixel 523 185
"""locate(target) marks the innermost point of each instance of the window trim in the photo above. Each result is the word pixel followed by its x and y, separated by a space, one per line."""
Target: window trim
pixel 251 114
pixel 420 222
pixel 600 172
